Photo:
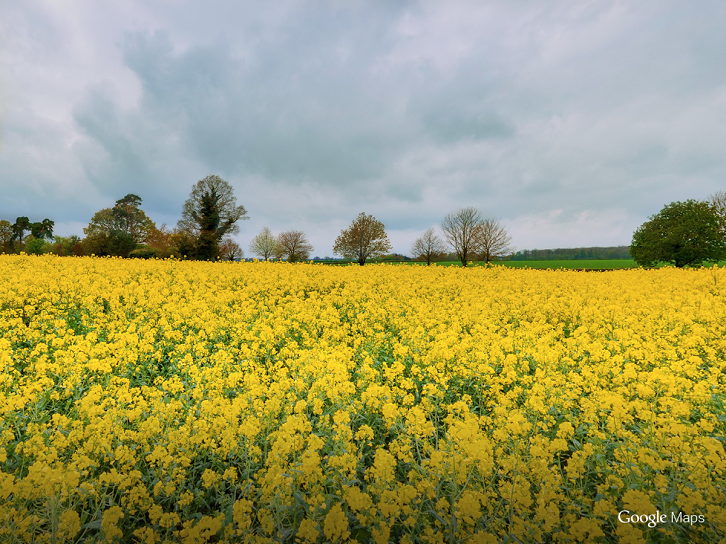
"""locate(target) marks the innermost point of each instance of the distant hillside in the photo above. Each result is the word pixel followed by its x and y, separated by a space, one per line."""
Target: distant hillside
pixel 572 253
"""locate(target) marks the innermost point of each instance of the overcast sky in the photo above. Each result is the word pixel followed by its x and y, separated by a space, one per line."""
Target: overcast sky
pixel 569 121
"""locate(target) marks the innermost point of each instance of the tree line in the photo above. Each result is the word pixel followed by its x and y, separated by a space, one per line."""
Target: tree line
pixel 572 253
pixel 683 233
pixel 211 214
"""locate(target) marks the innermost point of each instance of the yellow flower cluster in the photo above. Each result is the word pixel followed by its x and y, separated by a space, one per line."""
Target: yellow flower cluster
pixel 167 401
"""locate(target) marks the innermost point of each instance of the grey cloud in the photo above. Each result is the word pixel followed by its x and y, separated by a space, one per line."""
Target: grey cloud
pixel 568 120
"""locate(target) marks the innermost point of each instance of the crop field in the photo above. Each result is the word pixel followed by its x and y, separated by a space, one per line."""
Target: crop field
pixel 570 263
pixel 574 263
pixel 164 401
pixel 598 264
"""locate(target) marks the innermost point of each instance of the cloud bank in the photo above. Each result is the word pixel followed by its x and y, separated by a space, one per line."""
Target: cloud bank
pixel 571 121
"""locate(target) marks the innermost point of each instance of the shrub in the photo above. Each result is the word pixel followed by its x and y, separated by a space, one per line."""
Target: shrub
pixel 144 253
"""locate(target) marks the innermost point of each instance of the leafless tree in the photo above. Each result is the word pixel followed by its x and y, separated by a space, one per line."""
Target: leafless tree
pixel 429 247
pixel 493 240
pixel 264 244
pixel 461 230
pixel 229 250
pixel 365 238
pixel 293 245
pixel 718 202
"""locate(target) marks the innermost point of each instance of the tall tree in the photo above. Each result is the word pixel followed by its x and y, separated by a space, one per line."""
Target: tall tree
pixel 19 228
pixel 117 231
pixel 264 244
pixel 42 229
pixel 461 230
pixel 103 222
pixel 210 212
pixel 207 247
pixel 429 247
pixel 293 245
pixel 6 236
pixel 493 240
pixel 682 233
pixel 365 239
pixel 131 220
pixel 718 202
pixel 124 218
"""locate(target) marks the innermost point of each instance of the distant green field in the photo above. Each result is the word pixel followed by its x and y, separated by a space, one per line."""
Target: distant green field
pixel 569 264
pixel 577 264
pixel 584 263
pixel 587 264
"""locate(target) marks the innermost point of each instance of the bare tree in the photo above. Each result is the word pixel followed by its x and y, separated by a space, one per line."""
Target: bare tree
pixel 493 240
pixel 294 246
pixel 718 202
pixel 429 247
pixel 364 239
pixel 229 250
pixel 264 244
pixel 461 230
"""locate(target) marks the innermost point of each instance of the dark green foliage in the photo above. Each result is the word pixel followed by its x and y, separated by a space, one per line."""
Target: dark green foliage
pixel 124 219
pixel 682 233
pixel 574 253
pixel 208 219
pixel 6 236
pixel 42 229
pixel 115 244
pixel 19 228
pixel 120 244
pixel 144 253
pixel 186 246
pixel 129 219
pixel 17 231
pixel 209 213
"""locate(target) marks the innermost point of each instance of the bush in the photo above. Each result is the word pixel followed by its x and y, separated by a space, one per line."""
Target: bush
pixel 117 244
pixel 144 253
pixel 167 253
pixel 37 246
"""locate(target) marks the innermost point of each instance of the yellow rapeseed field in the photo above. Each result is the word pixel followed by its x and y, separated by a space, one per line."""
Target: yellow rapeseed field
pixel 167 401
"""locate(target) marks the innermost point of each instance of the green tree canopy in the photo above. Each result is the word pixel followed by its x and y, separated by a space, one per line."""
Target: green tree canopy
pixel 36 246
pixel 131 220
pixel 42 229
pixel 19 228
pixel 682 233
pixel 124 218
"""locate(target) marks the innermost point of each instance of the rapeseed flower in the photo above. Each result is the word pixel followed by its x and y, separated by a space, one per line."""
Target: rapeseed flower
pixel 169 401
